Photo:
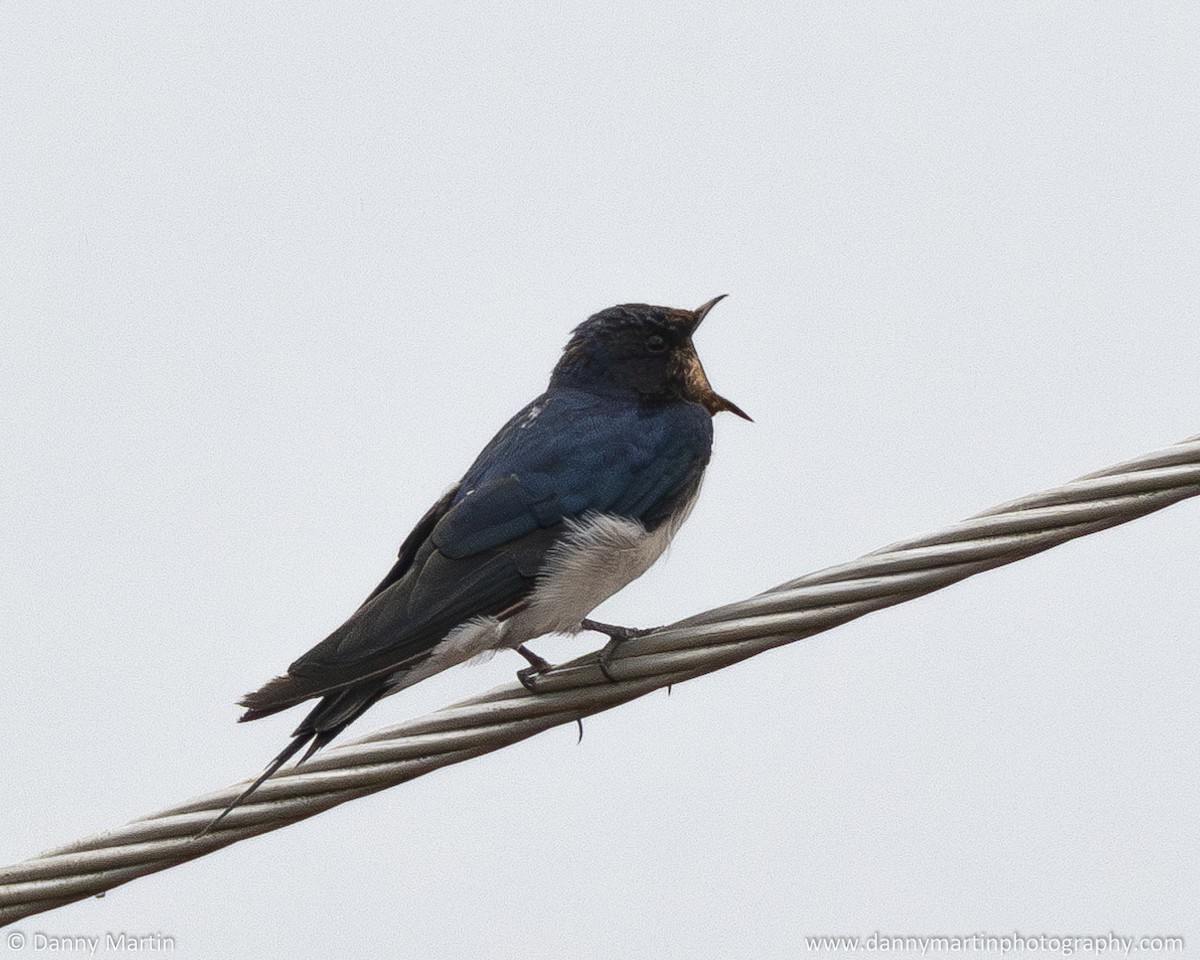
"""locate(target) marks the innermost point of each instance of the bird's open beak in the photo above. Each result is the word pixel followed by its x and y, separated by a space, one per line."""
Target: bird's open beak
pixel 713 401
pixel 702 312
pixel 717 403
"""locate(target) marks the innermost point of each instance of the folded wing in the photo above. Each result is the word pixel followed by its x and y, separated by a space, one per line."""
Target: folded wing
pixel 478 551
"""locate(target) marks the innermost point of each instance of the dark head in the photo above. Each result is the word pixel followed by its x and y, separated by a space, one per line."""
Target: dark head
pixel 637 348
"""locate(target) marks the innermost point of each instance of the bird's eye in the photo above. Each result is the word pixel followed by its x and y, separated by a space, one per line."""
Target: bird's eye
pixel 656 344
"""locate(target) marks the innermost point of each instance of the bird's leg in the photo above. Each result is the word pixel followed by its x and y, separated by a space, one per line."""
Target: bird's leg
pixel 537 665
pixel 616 636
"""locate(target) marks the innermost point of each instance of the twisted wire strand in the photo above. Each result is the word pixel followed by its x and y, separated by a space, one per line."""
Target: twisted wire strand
pixel 697 645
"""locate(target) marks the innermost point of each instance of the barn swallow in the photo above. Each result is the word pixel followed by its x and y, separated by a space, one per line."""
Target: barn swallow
pixel 575 497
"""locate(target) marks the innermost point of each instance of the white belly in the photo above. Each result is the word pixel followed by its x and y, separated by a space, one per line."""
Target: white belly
pixel 599 555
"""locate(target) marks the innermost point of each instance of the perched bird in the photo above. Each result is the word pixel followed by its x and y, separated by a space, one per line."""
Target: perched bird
pixel 575 497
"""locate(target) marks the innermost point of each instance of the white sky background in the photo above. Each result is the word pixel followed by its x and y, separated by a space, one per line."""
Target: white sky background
pixel 272 277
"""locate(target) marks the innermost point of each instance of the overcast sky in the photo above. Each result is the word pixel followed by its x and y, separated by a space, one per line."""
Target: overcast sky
pixel 271 277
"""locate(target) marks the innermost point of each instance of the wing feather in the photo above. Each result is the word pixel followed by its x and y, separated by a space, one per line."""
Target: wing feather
pixel 478 550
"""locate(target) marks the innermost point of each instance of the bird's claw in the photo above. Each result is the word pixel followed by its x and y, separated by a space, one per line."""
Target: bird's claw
pixel 616 636
pixel 529 678
pixel 604 658
pixel 537 666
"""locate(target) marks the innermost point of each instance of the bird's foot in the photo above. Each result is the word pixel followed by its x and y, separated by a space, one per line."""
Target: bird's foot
pixel 616 636
pixel 537 666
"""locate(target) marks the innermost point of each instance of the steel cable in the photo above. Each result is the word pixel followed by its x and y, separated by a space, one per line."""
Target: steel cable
pixel 573 690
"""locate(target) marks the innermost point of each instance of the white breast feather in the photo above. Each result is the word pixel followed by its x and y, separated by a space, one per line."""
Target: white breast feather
pixel 600 554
